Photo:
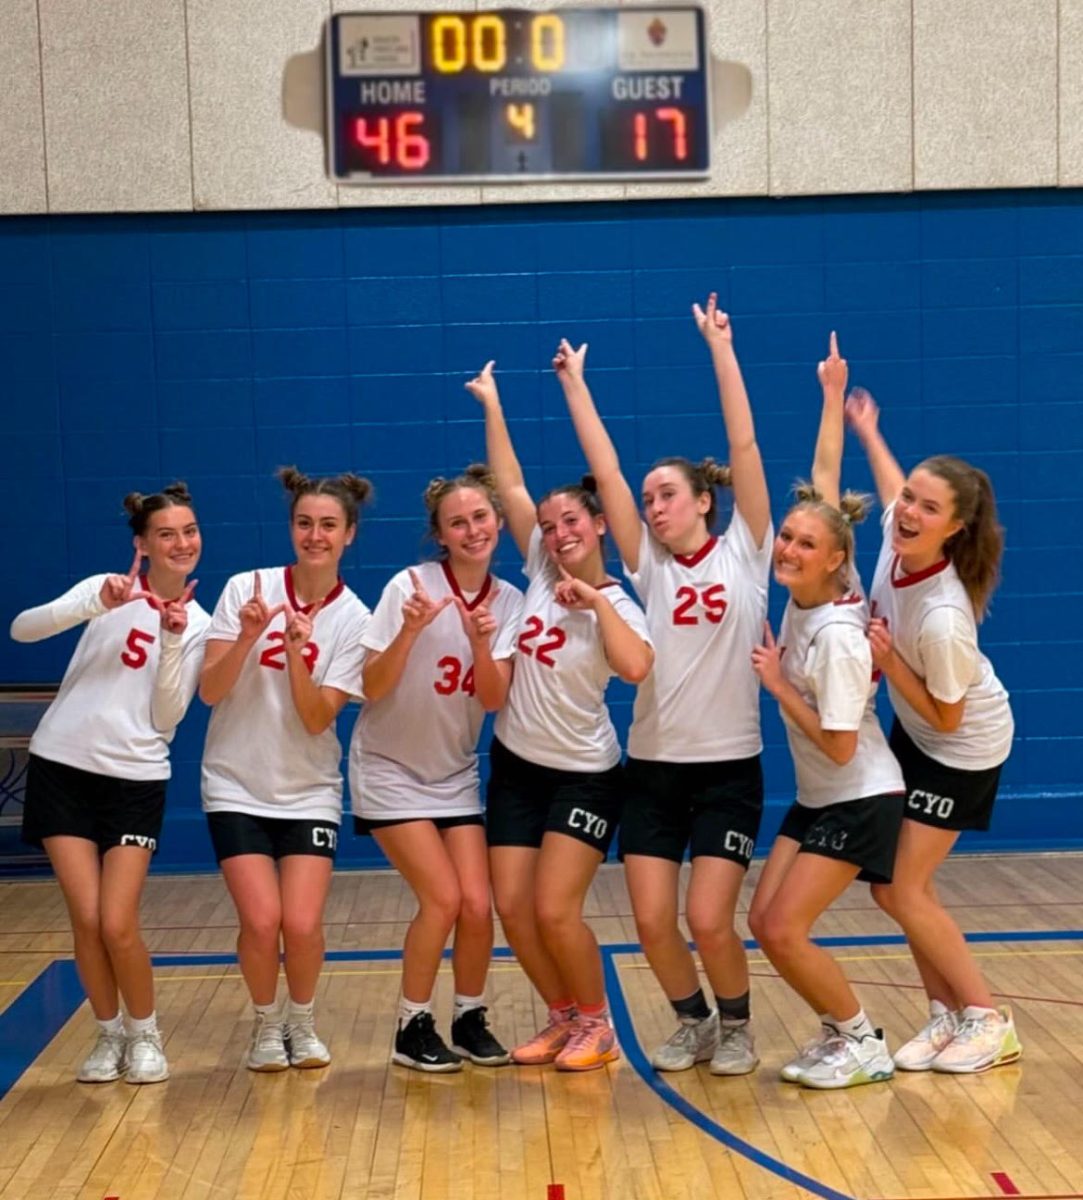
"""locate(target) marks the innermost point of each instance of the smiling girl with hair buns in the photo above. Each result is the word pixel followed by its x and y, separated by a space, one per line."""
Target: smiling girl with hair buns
pixel 439 656
pixel 284 655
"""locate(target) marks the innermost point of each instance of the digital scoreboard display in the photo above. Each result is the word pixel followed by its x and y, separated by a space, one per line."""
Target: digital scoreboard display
pixel 517 95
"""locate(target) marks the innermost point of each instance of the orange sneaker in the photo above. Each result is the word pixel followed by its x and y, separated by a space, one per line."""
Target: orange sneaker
pixel 545 1045
pixel 592 1044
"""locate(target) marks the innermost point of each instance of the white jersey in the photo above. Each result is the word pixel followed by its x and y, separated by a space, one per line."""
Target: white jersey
pixel 258 757
pixel 931 622
pixel 124 692
pixel 826 657
pixel 414 752
pixel 705 612
pixel 556 714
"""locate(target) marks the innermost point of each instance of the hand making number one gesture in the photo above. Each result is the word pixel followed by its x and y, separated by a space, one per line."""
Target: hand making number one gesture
pixel 574 593
pixel 833 371
pixel 118 590
pixel 121 589
pixel 420 609
pixel 255 615
pixel 483 387
pixel 713 325
pixel 479 624
pixel 767 661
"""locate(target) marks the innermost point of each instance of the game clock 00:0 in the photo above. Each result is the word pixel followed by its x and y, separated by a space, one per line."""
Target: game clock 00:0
pixel 517 95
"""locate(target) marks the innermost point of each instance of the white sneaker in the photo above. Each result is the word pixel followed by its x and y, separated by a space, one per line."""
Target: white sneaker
pixel 694 1041
pixel 926 1044
pixel 305 1048
pixel 847 1062
pixel 981 1042
pixel 267 1050
pixel 810 1054
pixel 107 1061
pixel 146 1060
pixel 736 1053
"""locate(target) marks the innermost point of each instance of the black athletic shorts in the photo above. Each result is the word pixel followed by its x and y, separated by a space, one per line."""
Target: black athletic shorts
pixel 862 832
pixel 234 833
pixel 712 809
pixel 63 801
pixel 942 796
pixel 363 826
pixel 525 801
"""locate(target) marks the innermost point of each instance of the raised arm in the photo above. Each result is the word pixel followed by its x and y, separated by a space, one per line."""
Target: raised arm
pixel 81 603
pixel 827 459
pixel 519 509
pixel 863 417
pixel 621 510
pixel 749 481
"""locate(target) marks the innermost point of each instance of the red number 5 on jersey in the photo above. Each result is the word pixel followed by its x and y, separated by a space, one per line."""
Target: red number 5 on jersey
pixel 135 655
pixel 555 638
pixel 713 601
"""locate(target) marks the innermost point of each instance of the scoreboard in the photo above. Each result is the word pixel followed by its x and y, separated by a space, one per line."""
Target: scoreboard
pixel 517 95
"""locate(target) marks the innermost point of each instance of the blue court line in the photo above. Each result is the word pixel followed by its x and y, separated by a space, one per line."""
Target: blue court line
pixel 879 939
pixel 35 1017
pixel 633 1052
pixel 41 1010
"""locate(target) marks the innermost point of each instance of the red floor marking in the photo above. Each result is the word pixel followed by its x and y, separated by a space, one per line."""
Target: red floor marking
pixel 1004 1181
pixel 555 1192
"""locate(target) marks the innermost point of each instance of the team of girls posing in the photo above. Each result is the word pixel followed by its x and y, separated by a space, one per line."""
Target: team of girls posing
pixel 288 646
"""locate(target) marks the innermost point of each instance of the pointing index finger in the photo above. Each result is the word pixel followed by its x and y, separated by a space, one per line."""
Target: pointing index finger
pixel 137 562
pixel 257 586
pixel 834 344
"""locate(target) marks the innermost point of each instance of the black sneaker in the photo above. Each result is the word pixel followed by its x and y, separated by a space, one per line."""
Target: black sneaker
pixel 472 1038
pixel 419 1046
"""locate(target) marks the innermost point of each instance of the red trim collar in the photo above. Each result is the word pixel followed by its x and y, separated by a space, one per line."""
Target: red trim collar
pixel 918 576
pixel 609 583
pixel 849 598
pixel 453 583
pixel 297 606
pixel 693 560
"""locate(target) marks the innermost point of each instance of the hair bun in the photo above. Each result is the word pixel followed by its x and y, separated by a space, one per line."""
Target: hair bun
pixel 589 484
pixel 133 503
pixel 292 479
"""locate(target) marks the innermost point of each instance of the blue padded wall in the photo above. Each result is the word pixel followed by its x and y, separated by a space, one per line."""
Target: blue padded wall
pixel 216 347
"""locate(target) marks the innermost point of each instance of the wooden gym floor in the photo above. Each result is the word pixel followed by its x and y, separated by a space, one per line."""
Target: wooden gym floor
pixel 368 1130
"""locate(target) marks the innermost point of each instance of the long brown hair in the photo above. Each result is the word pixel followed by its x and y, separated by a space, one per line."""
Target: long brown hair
pixel 977 549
